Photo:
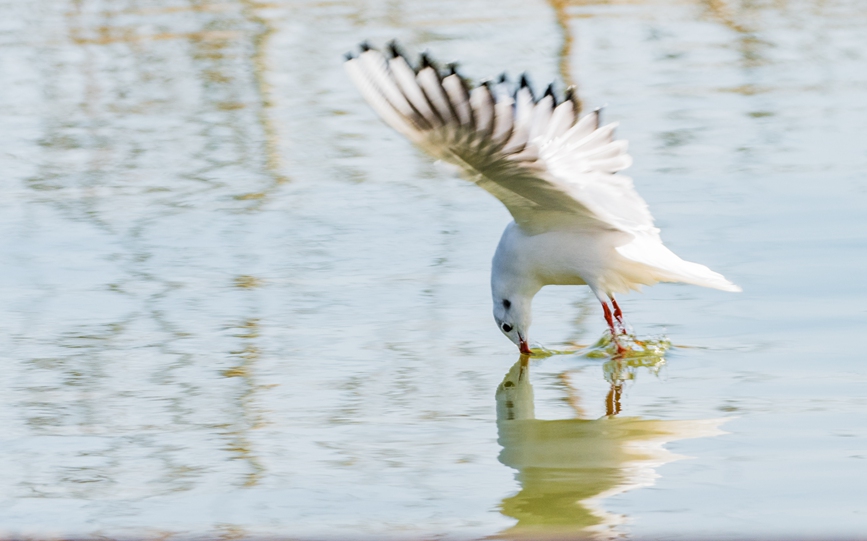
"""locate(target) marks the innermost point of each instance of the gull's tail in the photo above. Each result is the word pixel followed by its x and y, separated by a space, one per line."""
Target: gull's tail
pixel 666 266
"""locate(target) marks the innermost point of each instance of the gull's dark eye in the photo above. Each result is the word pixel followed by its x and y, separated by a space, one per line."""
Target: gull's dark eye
pixel 507 327
pixel 507 304
pixel 508 384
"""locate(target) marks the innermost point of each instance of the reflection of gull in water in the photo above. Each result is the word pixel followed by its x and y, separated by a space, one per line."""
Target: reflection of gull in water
pixel 576 222
pixel 567 467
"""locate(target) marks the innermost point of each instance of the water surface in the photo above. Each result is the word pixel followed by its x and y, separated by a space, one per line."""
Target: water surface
pixel 235 303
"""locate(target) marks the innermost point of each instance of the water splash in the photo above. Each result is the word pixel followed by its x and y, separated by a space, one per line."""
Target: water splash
pixel 633 352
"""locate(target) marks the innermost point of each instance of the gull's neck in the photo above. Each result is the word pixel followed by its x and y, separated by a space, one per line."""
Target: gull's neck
pixel 518 289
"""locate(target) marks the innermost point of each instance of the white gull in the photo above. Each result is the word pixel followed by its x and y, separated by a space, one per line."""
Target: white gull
pixel 576 221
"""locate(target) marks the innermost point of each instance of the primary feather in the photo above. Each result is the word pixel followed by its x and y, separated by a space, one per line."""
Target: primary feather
pixel 552 169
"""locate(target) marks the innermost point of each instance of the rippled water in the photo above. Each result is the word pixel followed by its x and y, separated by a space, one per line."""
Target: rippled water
pixel 236 304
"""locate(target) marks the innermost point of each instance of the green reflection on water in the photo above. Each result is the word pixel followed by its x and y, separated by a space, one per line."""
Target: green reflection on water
pixel 566 467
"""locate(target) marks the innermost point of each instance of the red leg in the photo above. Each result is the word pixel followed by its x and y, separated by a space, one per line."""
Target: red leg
pixel 612 328
pixel 608 319
pixel 617 313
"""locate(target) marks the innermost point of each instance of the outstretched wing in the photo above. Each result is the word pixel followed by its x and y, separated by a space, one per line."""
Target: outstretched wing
pixel 550 168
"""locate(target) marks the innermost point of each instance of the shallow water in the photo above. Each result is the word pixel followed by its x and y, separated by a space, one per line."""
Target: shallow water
pixel 235 303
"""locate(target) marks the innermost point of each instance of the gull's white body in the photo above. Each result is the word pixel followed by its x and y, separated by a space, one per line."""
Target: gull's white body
pixel 526 263
pixel 576 221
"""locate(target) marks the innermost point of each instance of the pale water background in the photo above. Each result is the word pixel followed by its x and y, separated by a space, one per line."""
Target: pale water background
pixel 234 303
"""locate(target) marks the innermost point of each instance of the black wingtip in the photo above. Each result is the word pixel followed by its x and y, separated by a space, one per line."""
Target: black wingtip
pixel 550 92
pixel 452 67
pixel 348 56
pixel 525 83
pixel 598 113
pixel 502 78
pixel 569 94
pixel 364 46
pixel 425 61
pixel 393 49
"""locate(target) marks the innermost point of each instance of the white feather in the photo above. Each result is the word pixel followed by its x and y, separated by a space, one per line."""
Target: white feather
pixel 524 107
pixel 404 76
pixel 503 120
pixel 561 120
pixel 430 83
pixel 541 118
pixel 457 95
pixel 576 221
pixel 377 100
pixel 483 108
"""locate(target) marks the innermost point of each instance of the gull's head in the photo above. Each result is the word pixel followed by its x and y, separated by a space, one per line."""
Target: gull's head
pixel 513 318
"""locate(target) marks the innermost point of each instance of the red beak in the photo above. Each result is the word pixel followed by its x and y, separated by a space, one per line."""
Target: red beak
pixel 523 346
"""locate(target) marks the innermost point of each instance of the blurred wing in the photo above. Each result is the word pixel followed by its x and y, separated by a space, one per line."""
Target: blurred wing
pixel 549 168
